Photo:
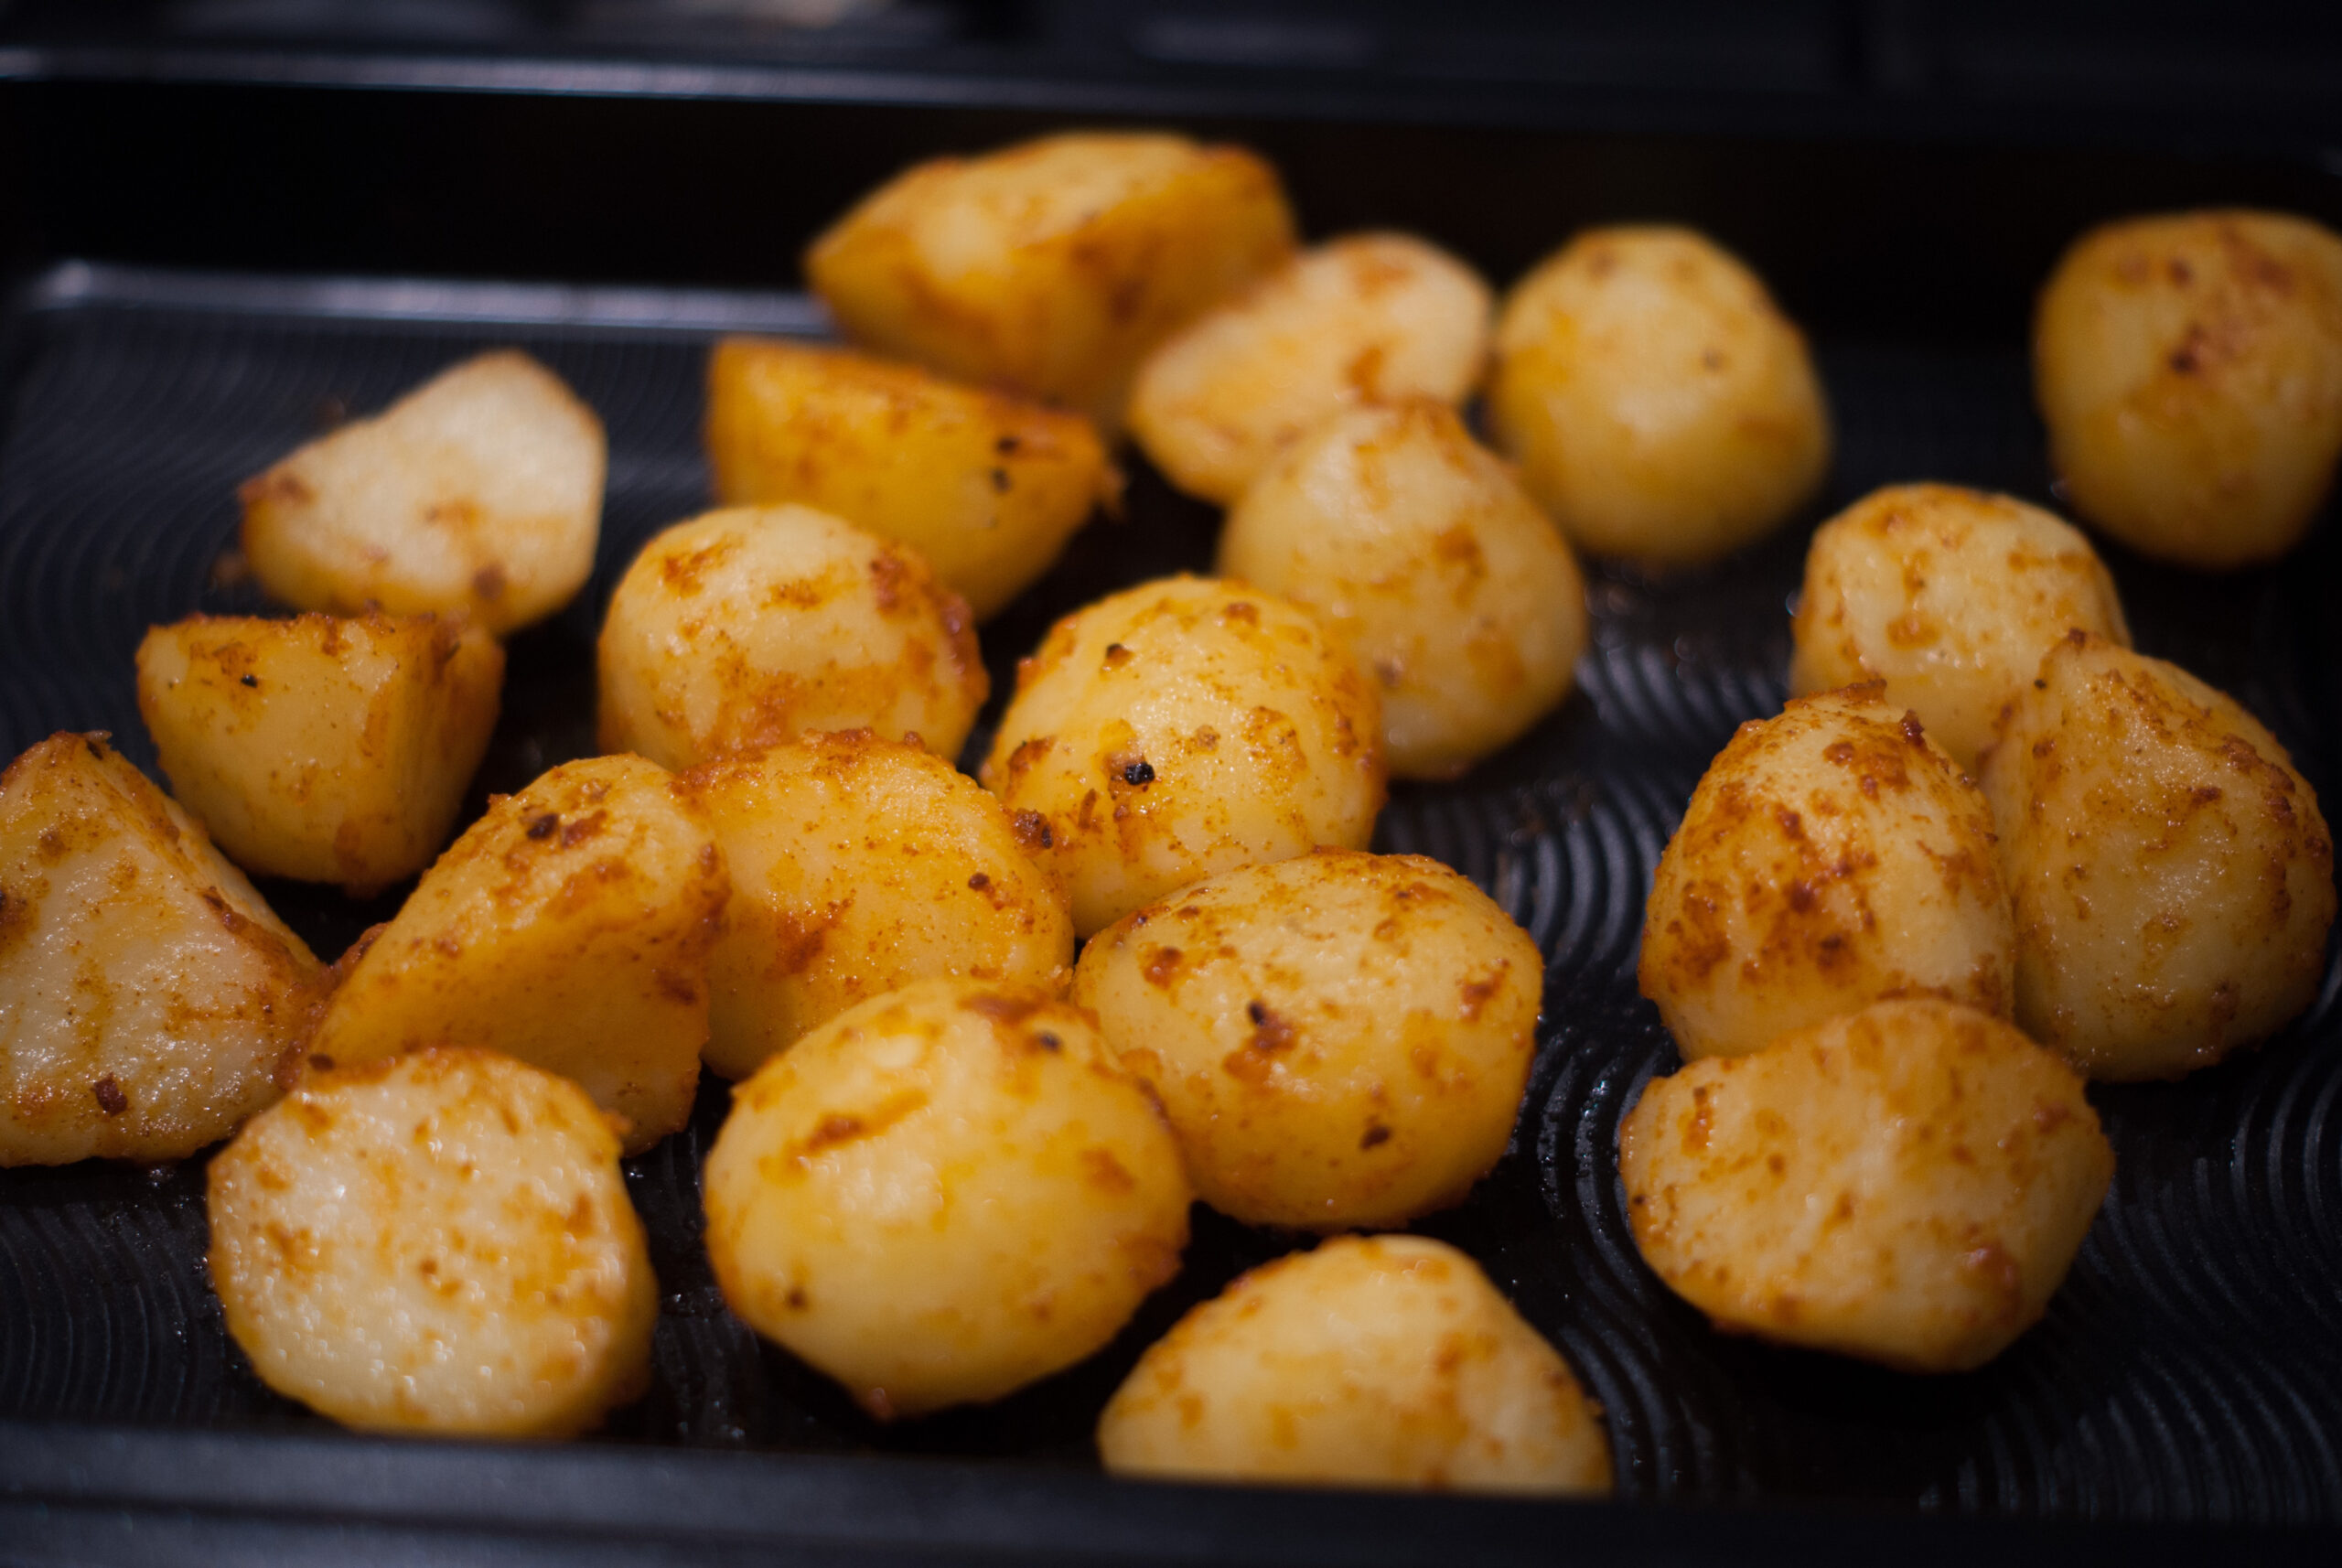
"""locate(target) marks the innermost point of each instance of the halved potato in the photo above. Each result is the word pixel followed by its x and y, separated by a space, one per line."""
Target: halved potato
pixel 479 492
pixel 147 992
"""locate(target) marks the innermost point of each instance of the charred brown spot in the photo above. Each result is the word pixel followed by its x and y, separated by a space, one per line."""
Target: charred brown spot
pixel 796 1300
pixel 1007 445
pixel 251 681
pixel 1104 1171
pixel 545 826
pixel 1000 481
pixel 489 582
pixel 1839 751
pixel 835 1128
pixel 1139 773
pixel 574 834
pixel 1003 1009
pixel 111 1100
pixel 1161 965
pixel 1473 995
pixel 320 1062
pixel 1048 1041
pixel 1376 1136
pixel 1117 656
pixel 979 881
pixel 1911 728
pixel 886 575
pixel 1243 610
pixel 1032 831
pixel 1271 1031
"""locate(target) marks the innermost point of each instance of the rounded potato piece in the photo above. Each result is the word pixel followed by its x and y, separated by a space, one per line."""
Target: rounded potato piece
pixel 1054 266
pixel 1907 1183
pixel 858 866
pixel 745 627
pixel 1179 729
pixel 1373 1361
pixel 435 1243
pixel 2189 369
pixel 1339 1040
pixel 317 748
pixel 986 487
pixel 1830 857
pixel 479 493
pixel 943 1194
pixel 1369 319
pixel 1659 405
pixel 1419 549
pixel 1950 596
pixel 2172 878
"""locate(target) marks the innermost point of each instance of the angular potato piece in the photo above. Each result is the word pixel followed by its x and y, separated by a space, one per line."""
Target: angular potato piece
pixel 2189 369
pixel 1907 1183
pixel 437 1242
pixel 1364 319
pixel 942 1195
pixel 1420 550
pixel 1830 857
pixel 1339 1039
pixel 744 628
pixel 324 749
pixel 2173 878
pixel 987 487
pixel 146 993
pixel 1949 596
pixel 858 866
pixel 1659 405
pixel 569 927
pixel 1182 728
pixel 1375 1361
pixel 1054 266
pixel 479 492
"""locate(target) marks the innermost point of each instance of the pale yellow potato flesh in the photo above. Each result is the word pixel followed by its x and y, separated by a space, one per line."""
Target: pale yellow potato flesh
pixel 1831 857
pixel 986 486
pixel 477 493
pixel 2189 369
pixel 148 995
pixel 2172 875
pixel 1419 549
pixel 1340 1040
pixel 569 926
pixel 1948 596
pixel 437 1242
pixel 859 865
pixel 1659 405
pixel 943 1194
pixel 1372 1361
pixel 320 748
pixel 1907 1183
pixel 1179 729
pixel 1052 267
pixel 743 628
pixel 1367 319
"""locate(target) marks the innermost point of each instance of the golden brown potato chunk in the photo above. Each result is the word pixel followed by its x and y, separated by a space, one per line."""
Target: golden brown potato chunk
pixel 2189 369
pixel 744 628
pixel 1830 856
pixel 1906 1184
pixel 1340 1040
pixel 146 993
pixel 479 492
pixel 569 927
pixel 987 487
pixel 2173 879
pixel 1182 728
pixel 942 1195
pixel 1053 267
pixel 859 865
pixel 1659 405
pixel 1373 1361
pixel 1365 319
pixel 1420 550
pixel 324 749
pixel 1950 596
pixel 437 1242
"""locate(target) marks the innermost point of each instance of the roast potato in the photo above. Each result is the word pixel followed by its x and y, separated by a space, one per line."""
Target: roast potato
pixel 147 992
pixel 1367 319
pixel 942 1195
pixel 1340 1040
pixel 1830 857
pixel 479 492
pixel 2173 878
pixel 2189 369
pixel 1659 405
pixel 1181 728
pixel 1906 1184
pixel 743 628
pixel 1420 550
pixel 436 1242
pixel 1375 1361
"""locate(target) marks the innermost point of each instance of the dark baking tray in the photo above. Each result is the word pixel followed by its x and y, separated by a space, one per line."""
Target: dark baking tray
pixel 2189 1374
